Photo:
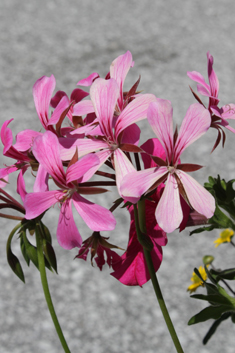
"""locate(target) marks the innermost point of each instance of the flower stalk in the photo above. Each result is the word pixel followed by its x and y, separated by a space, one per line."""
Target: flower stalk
pixel 141 228
pixel 42 269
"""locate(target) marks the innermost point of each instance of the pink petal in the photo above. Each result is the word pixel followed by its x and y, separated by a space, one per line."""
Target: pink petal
pixel 21 190
pixel 24 140
pixel 7 140
pixel 96 217
pixel 200 199
pixel 202 90
pixel 47 152
pixel 60 108
pixel 2 182
pixel 160 119
pixel 228 111
pixel 38 202
pixel 41 181
pixel 83 108
pixel 123 166
pixel 168 212
pixel 197 77
pixel 88 80
pixel 42 92
pixel 135 184
pixel 118 70
pixel 67 233
pixel 85 146
pixel 213 80
pixel 133 112
pixel 80 168
pixel 104 95
pixel 196 122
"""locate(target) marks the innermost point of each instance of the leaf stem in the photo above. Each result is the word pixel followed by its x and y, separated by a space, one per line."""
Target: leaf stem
pixel 141 227
pixel 42 269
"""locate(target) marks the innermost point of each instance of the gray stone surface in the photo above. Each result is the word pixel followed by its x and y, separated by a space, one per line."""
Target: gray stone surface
pixel 71 39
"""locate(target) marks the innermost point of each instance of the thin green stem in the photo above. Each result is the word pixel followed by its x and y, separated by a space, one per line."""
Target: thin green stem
pixel 42 269
pixel 140 229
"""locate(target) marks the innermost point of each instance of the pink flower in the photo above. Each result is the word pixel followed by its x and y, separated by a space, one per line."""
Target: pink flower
pixel 169 213
pixel 47 152
pixel 219 115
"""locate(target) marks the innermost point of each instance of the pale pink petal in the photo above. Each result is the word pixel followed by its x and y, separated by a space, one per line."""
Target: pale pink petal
pixel 79 169
pixel 200 199
pixel 24 140
pixel 196 122
pixel 47 152
pixel 102 156
pixel 123 166
pixel 88 80
pixel 197 77
pixel 83 108
pixel 104 95
pixel 202 90
pixel 134 112
pixel 2 182
pixel 160 119
pixel 60 108
pixel 135 184
pixel 96 217
pixel 118 70
pixel 168 212
pixel 38 202
pixel 84 146
pixel 87 129
pixel 228 111
pixel 42 93
pixel 67 233
pixel 41 181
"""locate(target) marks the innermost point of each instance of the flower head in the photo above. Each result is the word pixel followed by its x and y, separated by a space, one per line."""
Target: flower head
pixel 225 237
pixel 197 282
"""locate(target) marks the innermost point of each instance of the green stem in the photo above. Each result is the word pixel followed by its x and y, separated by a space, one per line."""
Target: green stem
pixel 42 269
pixel 140 229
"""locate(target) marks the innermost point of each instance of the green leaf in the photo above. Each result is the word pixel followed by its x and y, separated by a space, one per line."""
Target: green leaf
pixel 15 264
pixel 49 254
pixel 23 250
pixel 228 274
pixel 31 250
pixel 46 233
pixel 214 326
pixel 203 229
pixel 208 259
pixel 211 312
pixel 214 299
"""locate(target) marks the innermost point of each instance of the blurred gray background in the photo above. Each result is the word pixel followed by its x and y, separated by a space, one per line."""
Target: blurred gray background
pixel 71 39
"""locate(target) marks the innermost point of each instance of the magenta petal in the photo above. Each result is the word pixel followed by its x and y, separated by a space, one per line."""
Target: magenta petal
pixel 152 147
pixel 46 150
pixel 200 199
pixel 168 212
pixel 131 135
pixel 196 122
pixel 160 119
pixel 42 92
pixel 57 98
pixel 78 94
pixel 88 80
pixel 134 185
pixel 96 217
pixel 213 80
pixel 118 70
pixel 83 108
pixel 80 168
pixel 21 184
pixel 38 202
pixel 67 233
pixel 104 95
pixel 134 112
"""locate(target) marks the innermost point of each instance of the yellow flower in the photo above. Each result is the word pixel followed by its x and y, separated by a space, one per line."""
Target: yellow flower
pixel 196 280
pixel 225 237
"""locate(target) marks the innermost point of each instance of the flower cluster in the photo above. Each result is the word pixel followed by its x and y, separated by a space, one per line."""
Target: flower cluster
pixel 90 130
